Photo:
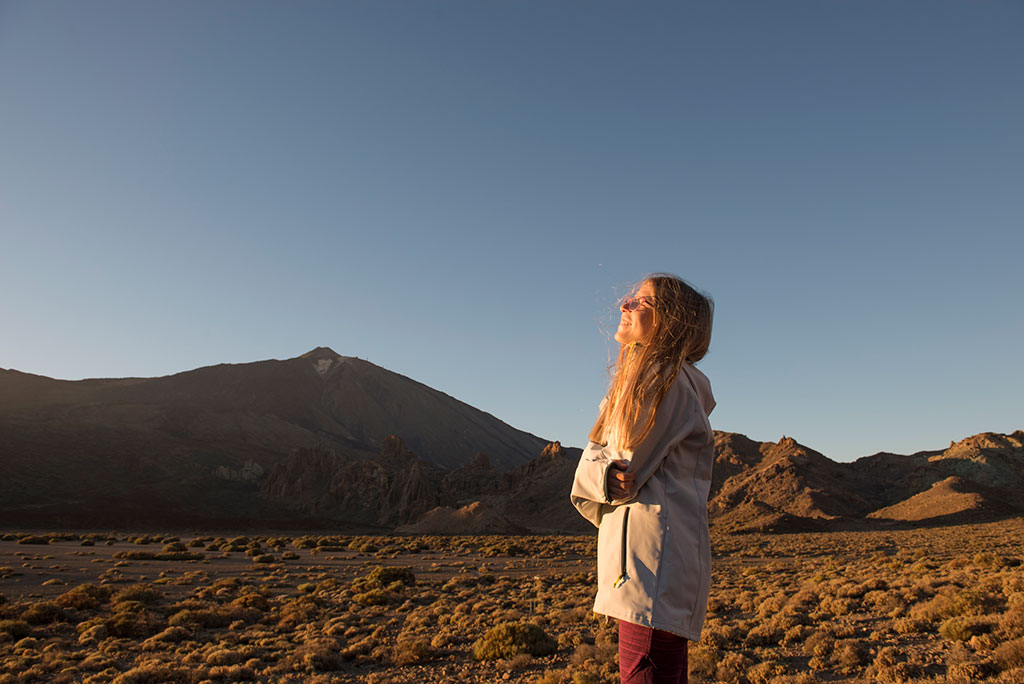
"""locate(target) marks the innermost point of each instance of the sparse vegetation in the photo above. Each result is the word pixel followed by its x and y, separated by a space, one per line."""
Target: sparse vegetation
pixel 513 638
pixel 923 606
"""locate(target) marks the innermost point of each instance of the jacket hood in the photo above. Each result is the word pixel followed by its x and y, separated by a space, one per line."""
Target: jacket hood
pixel 702 386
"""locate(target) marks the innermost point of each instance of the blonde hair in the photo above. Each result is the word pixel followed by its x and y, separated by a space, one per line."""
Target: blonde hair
pixel 644 371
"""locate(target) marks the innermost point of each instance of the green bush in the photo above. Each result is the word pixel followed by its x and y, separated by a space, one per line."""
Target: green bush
pixel 963 628
pixel 512 638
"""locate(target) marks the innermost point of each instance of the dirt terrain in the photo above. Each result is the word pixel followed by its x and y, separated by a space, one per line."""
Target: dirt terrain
pixel 917 605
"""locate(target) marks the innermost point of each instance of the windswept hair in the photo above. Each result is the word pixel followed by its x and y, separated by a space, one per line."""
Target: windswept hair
pixel 644 371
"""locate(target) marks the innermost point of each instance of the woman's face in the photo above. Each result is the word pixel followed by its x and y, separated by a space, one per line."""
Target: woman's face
pixel 637 325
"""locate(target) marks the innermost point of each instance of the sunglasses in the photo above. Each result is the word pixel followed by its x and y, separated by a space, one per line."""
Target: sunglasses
pixel 634 303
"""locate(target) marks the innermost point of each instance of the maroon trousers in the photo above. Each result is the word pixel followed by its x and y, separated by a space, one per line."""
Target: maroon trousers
pixel 650 656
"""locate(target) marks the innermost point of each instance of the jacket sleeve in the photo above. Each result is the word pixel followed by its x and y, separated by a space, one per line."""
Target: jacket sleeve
pixel 679 415
pixel 590 484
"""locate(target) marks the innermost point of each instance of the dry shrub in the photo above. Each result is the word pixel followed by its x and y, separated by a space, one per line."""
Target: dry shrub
pixel 223 656
pixel 84 597
pixel 42 613
pixel 410 649
pixel 963 628
pixel 732 668
pixel 851 654
pixel 91 632
pixel 1010 655
pixel 953 602
pixel 232 673
pixel 802 678
pixel 374 597
pixel 764 634
pixel 795 635
pixel 770 606
pixel 512 638
pixel 154 673
pixel 703 659
pixel 891 667
pixel 253 600
pixel 95 662
pixel 143 593
pixel 34 539
pixel 321 655
pixel 970 672
pixel 362 648
pixel 170 635
pixel 767 672
pixel 720 634
pixel 26 644
pixel 911 625
pixel 383 576
pixel 211 618
pixel 383 585
pixel 131 625
pixel 16 629
pixel 820 644
pixel 1011 623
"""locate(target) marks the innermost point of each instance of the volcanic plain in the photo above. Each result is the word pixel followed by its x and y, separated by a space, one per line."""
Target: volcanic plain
pixel 935 604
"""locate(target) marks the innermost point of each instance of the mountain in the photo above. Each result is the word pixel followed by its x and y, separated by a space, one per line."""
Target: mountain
pixel 779 486
pixel 785 486
pixel 328 441
pixel 194 447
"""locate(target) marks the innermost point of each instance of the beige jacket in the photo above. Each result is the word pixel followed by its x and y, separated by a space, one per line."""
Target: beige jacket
pixel 653 551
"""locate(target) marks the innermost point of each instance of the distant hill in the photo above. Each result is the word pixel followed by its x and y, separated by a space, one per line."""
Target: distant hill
pixel 765 486
pixel 757 487
pixel 335 442
pixel 193 447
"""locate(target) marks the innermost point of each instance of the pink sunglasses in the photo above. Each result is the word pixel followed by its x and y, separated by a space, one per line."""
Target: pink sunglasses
pixel 634 303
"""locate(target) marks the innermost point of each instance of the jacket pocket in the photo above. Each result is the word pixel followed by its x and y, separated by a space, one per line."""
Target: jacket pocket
pixel 623 551
pixel 644 556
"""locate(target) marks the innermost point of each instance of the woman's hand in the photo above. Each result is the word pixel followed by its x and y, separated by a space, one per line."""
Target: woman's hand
pixel 619 481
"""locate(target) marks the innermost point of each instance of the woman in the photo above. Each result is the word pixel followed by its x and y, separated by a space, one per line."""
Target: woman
pixel 643 480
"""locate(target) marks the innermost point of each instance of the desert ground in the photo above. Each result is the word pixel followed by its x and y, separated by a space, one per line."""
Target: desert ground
pixel 941 604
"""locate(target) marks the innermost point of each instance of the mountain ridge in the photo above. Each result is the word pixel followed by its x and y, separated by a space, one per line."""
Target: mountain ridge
pixel 335 441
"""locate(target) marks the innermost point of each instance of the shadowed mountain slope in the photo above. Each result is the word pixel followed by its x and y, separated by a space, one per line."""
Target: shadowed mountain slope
pixel 194 445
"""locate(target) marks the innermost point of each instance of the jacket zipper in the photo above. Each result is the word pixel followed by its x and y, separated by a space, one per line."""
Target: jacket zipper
pixel 621 579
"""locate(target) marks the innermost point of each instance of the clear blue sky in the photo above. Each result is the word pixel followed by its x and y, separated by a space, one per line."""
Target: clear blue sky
pixel 459 192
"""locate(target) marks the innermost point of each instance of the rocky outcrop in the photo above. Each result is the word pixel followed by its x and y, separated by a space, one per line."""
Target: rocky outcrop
pixel 250 472
pixel 786 486
pixel 475 518
pixel 471 481
pixel 392 489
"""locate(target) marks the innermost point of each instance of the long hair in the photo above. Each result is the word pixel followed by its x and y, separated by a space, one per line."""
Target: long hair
pixel 644 371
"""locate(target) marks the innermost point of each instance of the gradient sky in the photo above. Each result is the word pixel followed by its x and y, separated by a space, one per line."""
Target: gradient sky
pixel 460 191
